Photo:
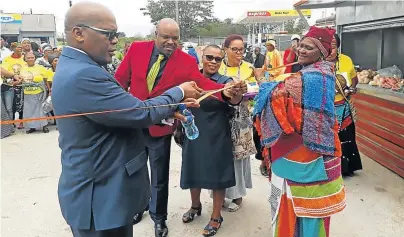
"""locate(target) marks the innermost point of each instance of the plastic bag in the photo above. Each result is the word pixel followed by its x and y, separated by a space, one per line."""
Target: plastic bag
pixel 392 71
pixel 47 105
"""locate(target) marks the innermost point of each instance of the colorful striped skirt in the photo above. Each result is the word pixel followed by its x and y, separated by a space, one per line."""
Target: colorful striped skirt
pixel 306 190
pixel 285 221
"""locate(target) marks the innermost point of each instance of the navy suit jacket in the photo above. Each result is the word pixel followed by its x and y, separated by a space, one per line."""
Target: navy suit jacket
pixel 104 171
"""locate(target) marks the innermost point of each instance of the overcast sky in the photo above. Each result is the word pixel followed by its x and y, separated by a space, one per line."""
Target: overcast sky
pixel 131 20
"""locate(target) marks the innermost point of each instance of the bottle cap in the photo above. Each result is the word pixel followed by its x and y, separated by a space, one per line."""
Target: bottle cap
pixel 189 118
pixel 182 107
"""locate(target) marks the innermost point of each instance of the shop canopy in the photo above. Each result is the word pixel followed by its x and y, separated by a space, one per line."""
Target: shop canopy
pixel 271 16
pixel 316 4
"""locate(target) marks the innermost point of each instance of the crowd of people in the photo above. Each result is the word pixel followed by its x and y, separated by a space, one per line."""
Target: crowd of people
pixel 302 125
pixel 27 73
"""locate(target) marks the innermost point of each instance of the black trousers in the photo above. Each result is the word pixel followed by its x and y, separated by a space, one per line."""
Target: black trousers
pixel 257 143
pixel 158 149
pixel 123 231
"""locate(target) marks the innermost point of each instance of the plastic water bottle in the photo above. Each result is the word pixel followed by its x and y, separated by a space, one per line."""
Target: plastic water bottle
pixel 191 131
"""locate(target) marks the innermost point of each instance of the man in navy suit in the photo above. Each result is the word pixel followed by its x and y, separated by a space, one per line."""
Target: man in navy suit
pixel 104 179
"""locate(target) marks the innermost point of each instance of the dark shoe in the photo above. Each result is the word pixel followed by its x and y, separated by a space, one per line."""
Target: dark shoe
pixel 189 216
pixel 45 129
pixel 264 171
pixel 210 230
pixel 160 229
pixel 138 217
pixel 31 130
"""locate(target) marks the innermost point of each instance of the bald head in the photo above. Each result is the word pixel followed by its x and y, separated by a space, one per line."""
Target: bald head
pixel 91 27
pixel 167 36
pixel 167 23
pixel 87 13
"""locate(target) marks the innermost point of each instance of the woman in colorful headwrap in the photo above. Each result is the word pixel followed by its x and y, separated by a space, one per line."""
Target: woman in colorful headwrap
pixel 297 120
pixel 351 160
pixel 241 124
pixel 34 84
pixel 14 63
pixel 273 59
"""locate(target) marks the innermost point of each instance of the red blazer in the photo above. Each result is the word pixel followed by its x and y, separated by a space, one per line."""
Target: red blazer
pixel 285 57
pixel 180 68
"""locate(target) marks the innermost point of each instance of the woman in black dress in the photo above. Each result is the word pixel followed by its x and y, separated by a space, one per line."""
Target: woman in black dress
pixel 207 162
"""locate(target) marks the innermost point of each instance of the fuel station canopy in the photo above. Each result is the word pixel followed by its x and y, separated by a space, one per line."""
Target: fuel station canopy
pixel 271 16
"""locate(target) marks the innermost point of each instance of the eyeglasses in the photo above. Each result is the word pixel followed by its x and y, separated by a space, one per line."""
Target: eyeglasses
pixel 210 58
pixel 111 34
pixel 237 50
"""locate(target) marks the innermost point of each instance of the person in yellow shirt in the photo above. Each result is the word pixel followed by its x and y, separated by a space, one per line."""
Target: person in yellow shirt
pixel 273 59
pixel 14 63
pixel 53 61
pixel 345 111
pixel 241 124
pixel 34 84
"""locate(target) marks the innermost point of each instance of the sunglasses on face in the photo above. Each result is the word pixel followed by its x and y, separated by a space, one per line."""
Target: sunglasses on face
pixel 237 50
pixel 210 58
pixel 111 34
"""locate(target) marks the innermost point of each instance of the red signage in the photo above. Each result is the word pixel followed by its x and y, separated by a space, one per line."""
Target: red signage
pixel 260 13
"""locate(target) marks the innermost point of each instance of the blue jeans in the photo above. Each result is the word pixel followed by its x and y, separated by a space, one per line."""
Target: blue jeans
pixel 8 99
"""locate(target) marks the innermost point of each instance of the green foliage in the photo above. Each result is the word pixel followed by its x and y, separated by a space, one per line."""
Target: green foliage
pixel 221 29
pixel 289 27
pixel 123 40
pixel 192 14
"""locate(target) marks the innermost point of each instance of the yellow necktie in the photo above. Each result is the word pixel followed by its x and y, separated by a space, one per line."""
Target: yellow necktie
pixel 154 70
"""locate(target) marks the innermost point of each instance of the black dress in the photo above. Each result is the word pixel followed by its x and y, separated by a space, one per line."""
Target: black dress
pixel 207 162
pixel 351 159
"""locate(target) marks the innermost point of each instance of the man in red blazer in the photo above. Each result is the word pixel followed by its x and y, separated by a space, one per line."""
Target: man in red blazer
pixel 175 67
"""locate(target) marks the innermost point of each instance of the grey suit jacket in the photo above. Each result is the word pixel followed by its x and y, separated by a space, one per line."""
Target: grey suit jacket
pixel 104 171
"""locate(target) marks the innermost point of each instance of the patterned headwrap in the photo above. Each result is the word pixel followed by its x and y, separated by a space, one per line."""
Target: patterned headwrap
pixel 25 39
pixel 322 38
pixel 15 45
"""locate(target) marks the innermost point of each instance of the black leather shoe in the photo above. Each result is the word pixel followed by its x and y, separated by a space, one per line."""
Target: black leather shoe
pixel 138 217
pixel 160 229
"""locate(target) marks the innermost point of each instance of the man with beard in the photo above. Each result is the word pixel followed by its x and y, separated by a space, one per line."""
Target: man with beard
pixel 165 66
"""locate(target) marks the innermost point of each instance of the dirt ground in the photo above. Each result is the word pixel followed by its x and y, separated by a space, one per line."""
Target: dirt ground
pixel 30 168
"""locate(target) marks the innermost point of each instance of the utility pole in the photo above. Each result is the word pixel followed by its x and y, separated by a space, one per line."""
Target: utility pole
pixel 176 12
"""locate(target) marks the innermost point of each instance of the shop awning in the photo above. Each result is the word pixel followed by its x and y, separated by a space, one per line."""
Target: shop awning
pixel 271 16
pixel 316 4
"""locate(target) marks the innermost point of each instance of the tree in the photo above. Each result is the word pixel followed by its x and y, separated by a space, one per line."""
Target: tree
pixel 121 34
pixel 192 14
pixel 293 28
pixel 223 28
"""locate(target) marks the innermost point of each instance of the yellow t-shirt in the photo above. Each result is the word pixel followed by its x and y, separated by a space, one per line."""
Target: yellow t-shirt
pixel 14 64
pixel 345 65
pixel 270 56
pixel 246 71
pixel 51 74
pixel 37 74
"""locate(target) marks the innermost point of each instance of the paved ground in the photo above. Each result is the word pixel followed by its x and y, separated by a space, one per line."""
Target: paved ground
pixel 29 206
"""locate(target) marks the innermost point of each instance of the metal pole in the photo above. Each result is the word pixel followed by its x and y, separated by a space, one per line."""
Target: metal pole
pixel 306 24
pixel 176 11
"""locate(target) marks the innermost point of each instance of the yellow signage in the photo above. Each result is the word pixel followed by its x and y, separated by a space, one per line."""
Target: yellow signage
pixel 11 18
pixel 278 13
